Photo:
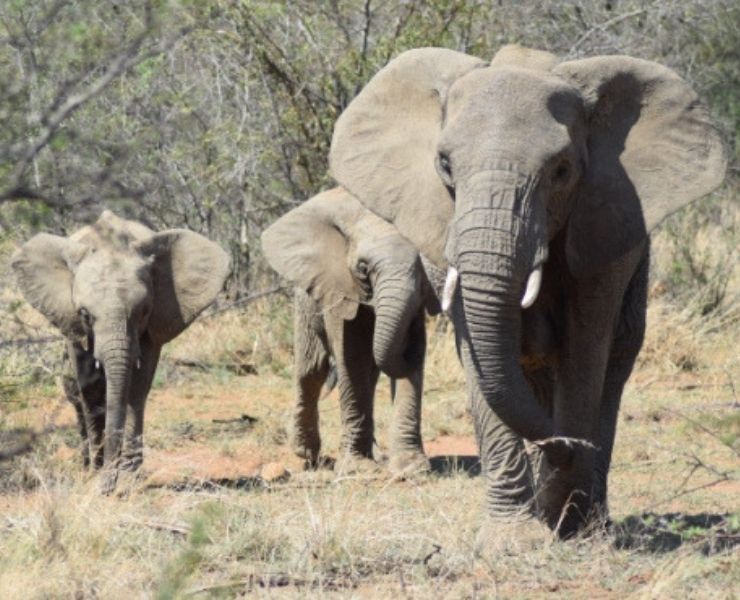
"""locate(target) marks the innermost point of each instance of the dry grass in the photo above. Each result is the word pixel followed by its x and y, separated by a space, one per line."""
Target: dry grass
pixel 206 521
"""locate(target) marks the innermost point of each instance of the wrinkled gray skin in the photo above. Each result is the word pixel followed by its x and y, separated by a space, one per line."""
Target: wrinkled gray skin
pixel 360 297
pixel 497 170
pixel 117 291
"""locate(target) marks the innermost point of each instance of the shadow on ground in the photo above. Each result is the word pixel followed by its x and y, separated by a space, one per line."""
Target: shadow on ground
pixel 454 464
pixel 659 533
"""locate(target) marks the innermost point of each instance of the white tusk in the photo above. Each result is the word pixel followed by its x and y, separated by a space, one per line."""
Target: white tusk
pixel 97 365
pixel 138 363
pixel 448 292
pixel 533 287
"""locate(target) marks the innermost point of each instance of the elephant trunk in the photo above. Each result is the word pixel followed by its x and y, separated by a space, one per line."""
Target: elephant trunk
pixel 397 302
pixel 116 350
pixel 500 238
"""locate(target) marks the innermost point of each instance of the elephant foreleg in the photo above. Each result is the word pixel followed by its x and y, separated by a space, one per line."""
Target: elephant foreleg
pixel 311 369
pixel 407 451
pixel 592 316
pixel 87 394
pixel 357 377
pixel 625 348
pixel 73 395
pixel 132 454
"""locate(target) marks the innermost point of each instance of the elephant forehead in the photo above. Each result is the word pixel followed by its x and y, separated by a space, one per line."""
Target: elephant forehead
pixel 106 275
pixel 517 95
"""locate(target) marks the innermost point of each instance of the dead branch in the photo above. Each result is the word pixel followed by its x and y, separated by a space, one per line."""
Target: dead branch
pixel 246 300
pixel 602 27
pixel 705 429
pixel 60 110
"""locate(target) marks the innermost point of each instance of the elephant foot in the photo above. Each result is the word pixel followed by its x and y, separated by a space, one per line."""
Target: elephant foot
pixel 322 463
pixel 408 463
pixel 308 449
pixel 581 521
pixel 132 463
pixel 498 538
pixel 131 481
pixel 108 480
pixel 354 464
pixel 85 454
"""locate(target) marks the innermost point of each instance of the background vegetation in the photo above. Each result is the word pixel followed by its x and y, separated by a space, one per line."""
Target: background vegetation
pixel 217 115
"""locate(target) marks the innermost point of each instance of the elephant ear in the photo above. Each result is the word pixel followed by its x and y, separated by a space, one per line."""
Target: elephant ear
pixel 188 272
pixel 652 149
pixel 44 267
pixel 309 246
pixel 384 145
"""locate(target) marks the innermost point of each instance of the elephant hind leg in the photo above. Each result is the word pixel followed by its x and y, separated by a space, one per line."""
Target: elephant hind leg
pixel 311 370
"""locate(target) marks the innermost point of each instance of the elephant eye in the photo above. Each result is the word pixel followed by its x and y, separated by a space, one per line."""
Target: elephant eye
pixel 362 273
pixel 562 172
pixel 444 166
pixel 85 316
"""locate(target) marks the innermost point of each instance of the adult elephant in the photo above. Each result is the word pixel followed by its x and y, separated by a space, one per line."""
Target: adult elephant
pixel 532 175
pixel 118 292
pixel 361 294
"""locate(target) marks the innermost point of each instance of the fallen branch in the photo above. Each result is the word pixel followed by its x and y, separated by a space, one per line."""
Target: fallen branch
pixel 30 341
pixel 236 368
pixel 246 300
pixel 176 528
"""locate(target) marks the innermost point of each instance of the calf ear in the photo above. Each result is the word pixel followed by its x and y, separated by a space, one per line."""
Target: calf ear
pixel 44 267
pixel 652 150
pixel 188 272
pixel 384 145
pixel 309 246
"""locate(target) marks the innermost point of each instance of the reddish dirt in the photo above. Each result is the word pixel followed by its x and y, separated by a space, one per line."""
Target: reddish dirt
pixel 200 463
pixel 451 445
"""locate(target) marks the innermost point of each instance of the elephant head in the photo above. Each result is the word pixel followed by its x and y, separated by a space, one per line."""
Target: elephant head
pixel 115 284
pixel 342 255
pixel 482 165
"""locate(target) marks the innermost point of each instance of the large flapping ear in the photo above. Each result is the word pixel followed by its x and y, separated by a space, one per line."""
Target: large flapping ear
pixel 384 144
pixel 309 246
pixel 188 272
pixel 652 149
pixel 44 267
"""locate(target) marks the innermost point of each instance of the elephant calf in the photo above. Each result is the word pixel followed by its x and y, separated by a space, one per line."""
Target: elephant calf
pixel 117 291
pixel 360 298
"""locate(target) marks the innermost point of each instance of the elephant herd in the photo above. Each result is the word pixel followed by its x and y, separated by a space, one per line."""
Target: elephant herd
pixel 515 195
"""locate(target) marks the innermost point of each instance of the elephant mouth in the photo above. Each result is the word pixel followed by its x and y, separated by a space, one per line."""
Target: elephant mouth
pixel 531 290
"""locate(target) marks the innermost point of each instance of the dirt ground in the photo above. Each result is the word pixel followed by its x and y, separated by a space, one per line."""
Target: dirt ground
pixel 222 508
